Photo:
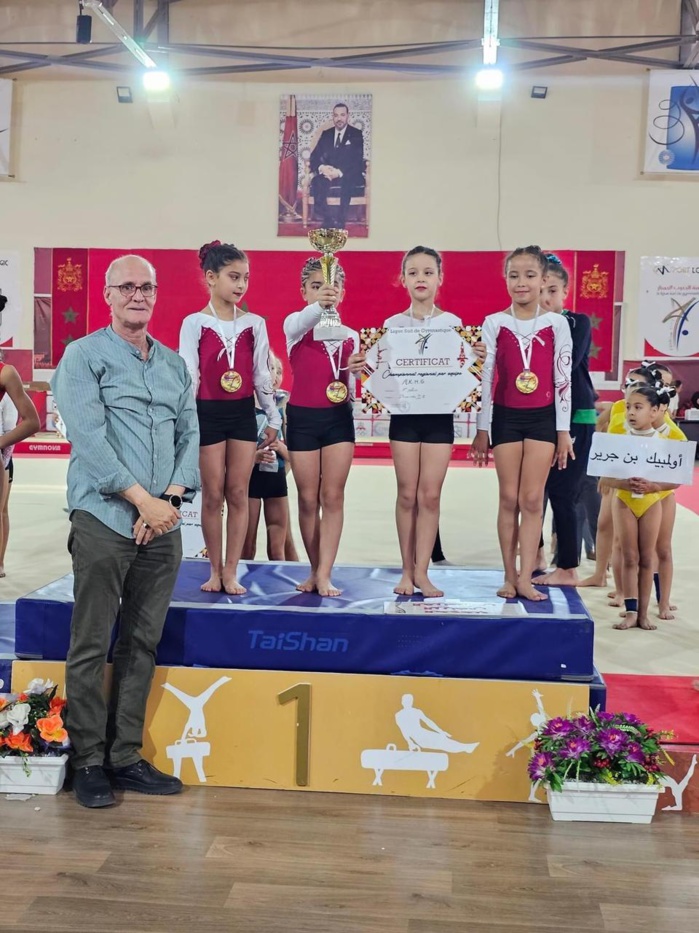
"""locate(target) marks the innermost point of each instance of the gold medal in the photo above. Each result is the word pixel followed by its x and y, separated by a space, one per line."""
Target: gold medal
pixel 527 382
pixel 231 381
pixel 337 392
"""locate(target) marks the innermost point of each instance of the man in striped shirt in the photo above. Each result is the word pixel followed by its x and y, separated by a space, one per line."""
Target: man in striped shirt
pixel 128 407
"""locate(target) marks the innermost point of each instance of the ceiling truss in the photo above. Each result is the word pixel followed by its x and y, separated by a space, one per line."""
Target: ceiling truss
pixel 154 35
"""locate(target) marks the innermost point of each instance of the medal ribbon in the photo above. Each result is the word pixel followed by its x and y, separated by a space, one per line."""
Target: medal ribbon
pixel 335 366
pixel 526 353
pixel 228 345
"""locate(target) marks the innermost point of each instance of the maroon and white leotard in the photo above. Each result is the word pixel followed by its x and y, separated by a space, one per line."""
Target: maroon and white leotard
pixel 312 361
pixel 204 352
pixel 550 361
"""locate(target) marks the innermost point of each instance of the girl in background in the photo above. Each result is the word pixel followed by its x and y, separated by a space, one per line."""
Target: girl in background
pixel 320 424
pixel 226 350
pixel 529 360
pixel 268 486
pixel 636 508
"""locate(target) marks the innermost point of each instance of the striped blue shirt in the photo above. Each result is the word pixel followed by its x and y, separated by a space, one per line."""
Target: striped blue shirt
pixel 128 420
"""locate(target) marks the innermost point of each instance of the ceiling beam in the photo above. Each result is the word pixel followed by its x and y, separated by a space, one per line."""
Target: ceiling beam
pixel 29 60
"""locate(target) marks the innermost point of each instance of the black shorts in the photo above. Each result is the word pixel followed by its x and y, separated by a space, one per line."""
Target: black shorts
pixel 422 429
pixel 313 428
pixel 10 470
pixel 267 485
pixel 514 425
pixel 226 420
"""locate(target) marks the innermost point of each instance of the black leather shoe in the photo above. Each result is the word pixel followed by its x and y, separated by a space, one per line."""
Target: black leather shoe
pixel 92 788
pixel 143 778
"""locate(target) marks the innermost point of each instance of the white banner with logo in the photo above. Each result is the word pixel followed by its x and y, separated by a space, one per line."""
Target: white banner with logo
pixel 10 296
pixel 672 123
pixel 623 456
pixel 5 125
pixel 668 307
pixel 192 537
pixel 420 371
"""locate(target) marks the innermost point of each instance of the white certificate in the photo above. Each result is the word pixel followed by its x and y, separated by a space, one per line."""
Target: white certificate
pixel 622 456
pixel 420 371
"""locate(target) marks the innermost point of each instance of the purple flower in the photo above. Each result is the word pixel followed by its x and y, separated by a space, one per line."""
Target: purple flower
pixel 612 740
pixel 635 753
pixel 604 716
pixel 631 719
pixel 584 724
pixel 575 748
pixel 539 765
pixel 558 728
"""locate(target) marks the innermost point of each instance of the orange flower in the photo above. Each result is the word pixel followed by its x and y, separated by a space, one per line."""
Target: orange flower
pixel 57 704
pixel 21 742
pixel 51 729
pixel 3 703
pixel 22 698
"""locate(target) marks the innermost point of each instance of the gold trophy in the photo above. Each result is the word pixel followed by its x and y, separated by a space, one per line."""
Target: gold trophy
pixel 328 241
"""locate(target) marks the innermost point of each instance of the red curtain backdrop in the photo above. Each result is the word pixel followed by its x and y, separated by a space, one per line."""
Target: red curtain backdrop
pixel 473 287
pixel 69 292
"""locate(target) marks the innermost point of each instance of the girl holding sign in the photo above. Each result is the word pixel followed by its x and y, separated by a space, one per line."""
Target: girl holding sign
pixel 529 362
pixel 637 507
pixel 320 424
pixel 226 350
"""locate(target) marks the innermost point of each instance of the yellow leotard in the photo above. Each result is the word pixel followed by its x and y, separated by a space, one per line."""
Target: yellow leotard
pixel 639 505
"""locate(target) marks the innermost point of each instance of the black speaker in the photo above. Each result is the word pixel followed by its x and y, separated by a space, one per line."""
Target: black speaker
pixel 83 29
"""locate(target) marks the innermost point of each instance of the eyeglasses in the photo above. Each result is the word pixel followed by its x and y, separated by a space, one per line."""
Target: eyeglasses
pixel 128 289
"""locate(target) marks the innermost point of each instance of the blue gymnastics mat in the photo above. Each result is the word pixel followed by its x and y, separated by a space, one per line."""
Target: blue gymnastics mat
pixel 367 630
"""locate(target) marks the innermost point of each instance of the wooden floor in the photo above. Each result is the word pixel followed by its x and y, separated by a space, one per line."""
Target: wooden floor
pixel 266 861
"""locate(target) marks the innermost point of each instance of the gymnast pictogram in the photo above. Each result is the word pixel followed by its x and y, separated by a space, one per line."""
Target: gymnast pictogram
pixel 189 745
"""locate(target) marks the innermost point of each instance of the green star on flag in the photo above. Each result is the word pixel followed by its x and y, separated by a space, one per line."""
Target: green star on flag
pixel 595 321
pixel 594 350
pixel 67 340
pixel 70 316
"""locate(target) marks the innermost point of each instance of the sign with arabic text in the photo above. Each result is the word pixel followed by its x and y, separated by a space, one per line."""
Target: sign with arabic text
pixel 623 456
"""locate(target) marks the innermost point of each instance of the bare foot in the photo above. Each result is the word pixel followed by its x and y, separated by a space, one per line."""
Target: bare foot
pixel 508 590
pixel 308 586
pixel 665 613
pixel 231 585
pixel 594 580
pixel 559 577
pixel 325 587
pixel 541 562
pixel 646 624
pixel 406 586
pixel 630 621
pixel 617 601
pixel 213 584
pixel 426 587
pixel 525 590
pixel 611 594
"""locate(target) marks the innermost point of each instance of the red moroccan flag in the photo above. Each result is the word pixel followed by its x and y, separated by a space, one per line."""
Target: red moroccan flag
pixel 68 299
pixel 289 159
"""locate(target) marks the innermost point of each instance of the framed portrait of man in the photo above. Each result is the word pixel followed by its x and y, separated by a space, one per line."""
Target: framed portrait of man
pixel 324 163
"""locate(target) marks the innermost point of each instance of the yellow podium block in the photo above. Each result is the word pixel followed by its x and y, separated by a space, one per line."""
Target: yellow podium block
pixel 349 733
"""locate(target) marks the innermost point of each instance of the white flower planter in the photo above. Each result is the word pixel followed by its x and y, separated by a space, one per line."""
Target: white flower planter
pixel 604 803
pixel 46 775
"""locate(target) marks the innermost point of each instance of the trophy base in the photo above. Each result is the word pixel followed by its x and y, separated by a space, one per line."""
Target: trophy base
pixel 329 332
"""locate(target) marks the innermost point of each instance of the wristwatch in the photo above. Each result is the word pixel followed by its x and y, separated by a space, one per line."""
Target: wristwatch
pixel 174 500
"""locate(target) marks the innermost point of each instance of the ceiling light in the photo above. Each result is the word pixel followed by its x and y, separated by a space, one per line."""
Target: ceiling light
pixel 154 80
pixel 489 79
pixel 124 95
pixel 539 91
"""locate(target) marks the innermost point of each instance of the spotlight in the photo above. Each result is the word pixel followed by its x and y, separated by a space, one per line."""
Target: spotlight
pixel 124 95
pixel 154 80
pixel 489 79
pixel 539 91
pixel 83 29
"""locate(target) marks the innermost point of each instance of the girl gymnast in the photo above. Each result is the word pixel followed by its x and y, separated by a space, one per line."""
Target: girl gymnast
pixel 320 424
pixel 227 350
pixel 529 359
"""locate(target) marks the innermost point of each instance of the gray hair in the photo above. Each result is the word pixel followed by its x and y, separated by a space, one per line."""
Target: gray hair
pixel 115 263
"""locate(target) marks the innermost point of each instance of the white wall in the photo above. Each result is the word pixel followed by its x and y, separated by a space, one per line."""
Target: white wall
pixel 92 172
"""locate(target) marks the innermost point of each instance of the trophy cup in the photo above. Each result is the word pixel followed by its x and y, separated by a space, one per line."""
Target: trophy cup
pixel 327 241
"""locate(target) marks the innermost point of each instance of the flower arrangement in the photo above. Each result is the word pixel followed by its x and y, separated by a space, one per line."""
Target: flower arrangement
pixel 32 722
pixel 598 748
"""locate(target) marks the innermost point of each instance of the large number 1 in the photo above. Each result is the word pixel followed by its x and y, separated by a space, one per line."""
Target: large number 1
pixel 302 694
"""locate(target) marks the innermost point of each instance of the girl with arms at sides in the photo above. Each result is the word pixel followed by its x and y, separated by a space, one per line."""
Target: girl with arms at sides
pixel 227 350
pixel 529 360
pixel 268 488
pixel 14 403
pixel 320 424
pixel 637 509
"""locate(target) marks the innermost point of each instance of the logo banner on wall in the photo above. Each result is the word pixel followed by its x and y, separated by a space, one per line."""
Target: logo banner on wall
pixel 672 122
pixel 10 297
pixel 69 292
pixel 5 125
pixel 668 307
